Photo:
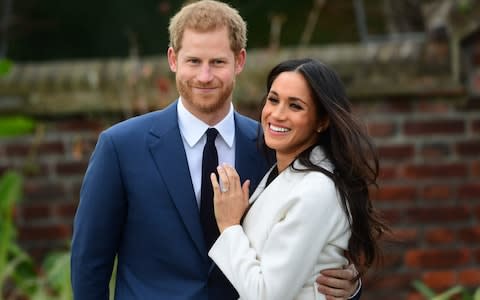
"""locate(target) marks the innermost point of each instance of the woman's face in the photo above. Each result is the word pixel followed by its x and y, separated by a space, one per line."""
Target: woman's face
pixel 289 117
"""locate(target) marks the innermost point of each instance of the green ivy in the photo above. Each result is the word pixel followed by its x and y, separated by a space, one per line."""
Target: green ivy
pixel 16 125
pixel 448 294
pixel 5 66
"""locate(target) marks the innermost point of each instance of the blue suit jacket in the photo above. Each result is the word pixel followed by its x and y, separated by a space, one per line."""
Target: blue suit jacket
pixel 137 201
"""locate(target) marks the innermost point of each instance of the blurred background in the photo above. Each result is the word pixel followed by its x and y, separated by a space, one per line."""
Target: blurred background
pixel 69 69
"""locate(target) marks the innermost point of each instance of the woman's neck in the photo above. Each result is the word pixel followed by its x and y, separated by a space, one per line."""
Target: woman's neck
pixel 283 162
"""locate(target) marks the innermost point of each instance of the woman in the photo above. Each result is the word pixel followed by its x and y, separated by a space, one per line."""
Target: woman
pixel 317 206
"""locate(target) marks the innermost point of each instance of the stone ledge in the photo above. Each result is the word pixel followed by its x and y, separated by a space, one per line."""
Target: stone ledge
pixel 372 70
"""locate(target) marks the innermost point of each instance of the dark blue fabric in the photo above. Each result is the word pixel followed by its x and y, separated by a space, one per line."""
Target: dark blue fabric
pixel 137 202
pixel 209 166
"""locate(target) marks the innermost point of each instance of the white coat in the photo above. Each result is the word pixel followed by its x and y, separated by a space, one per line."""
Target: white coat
pixel 295 227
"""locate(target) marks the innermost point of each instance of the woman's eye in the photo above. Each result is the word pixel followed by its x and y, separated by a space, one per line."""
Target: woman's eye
pixel 272 100
pixel 296 106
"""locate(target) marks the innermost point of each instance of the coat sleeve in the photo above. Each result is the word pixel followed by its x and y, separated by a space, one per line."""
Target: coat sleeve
pixel 98 223
pixel 312 218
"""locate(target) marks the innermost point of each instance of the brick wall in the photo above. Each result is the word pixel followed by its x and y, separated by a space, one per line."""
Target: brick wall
pixel 425 124
pixel 429 188
pixel 429 191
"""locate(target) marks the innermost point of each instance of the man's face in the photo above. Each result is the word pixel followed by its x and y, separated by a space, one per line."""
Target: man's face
pixel 206 68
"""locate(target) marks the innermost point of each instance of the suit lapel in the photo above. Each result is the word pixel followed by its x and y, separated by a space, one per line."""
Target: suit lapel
pixel 248 161
pixel 166 147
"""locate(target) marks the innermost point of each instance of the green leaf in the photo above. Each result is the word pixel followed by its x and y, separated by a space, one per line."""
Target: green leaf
pixel 5 66
pixel 423 289
pixel 16 125
pixel 476 296
pixel 449 293
pixel 10 192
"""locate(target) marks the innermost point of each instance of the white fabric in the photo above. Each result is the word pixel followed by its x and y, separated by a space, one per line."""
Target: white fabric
pixel 295 228
pixel 193 131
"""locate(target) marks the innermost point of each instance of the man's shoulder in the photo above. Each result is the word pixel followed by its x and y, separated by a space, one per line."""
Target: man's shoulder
pixel 141 123
pixel 248 125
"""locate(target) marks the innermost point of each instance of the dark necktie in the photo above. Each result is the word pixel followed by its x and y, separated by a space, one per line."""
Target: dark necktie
pixel 209 166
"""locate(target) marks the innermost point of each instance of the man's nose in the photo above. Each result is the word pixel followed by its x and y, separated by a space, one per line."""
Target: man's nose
pixel 205 74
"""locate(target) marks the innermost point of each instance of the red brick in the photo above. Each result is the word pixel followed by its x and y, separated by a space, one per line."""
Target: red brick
pixel 435 127
pixel 470 277
pixel 393 216
pixel 415 296
pixel 44 148
pixel 81 125
pixel 435 151
pixel 391 105
pixel 396 193
pixel 35 211
pixel 66 210
pixel 48 148
pixel 396 152
pixel 441 236
pixel 434 107
pixel 399 281
pixel 476 254
pixel 405 235
pixel 439 280
pixel 437 192
pixel 71 168
pixel 475 168
pixel 388 172
pixel 381 129
pixel 469 191
pixel 392 260
pixel 453 170
pixel 469 149
pixel 47 232
pixel 437 258
pixel 438 214
pixel 18 149
pixel 470 235
pixel 476 126
pixel 43 191
pixel 396 106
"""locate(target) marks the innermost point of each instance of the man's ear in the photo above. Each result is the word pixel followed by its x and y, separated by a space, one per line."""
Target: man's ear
pixel 240 60
pixel 172 59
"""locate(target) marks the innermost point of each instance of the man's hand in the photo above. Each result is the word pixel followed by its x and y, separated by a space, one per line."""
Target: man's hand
pixel 338 284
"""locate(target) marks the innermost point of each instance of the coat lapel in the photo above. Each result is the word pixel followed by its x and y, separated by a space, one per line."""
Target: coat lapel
pixel 166 147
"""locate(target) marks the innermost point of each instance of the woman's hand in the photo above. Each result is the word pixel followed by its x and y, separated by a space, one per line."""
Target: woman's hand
pixel 230 198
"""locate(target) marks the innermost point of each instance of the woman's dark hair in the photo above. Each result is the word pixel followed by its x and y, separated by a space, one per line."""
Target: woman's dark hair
pixel 349 148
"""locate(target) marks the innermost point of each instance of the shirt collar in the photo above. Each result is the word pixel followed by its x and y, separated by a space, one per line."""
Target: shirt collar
pixel 192 128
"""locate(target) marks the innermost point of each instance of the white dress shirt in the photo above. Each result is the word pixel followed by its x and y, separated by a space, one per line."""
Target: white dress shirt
pixel 193 131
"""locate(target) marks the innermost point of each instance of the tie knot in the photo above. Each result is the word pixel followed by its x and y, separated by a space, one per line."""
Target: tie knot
pixel 211 135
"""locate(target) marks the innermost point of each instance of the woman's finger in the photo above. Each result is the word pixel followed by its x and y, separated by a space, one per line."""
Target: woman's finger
pixel 215 185
pixel 224 182
pixel 233 178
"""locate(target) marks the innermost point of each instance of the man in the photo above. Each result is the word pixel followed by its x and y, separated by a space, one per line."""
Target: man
pixel 140 196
